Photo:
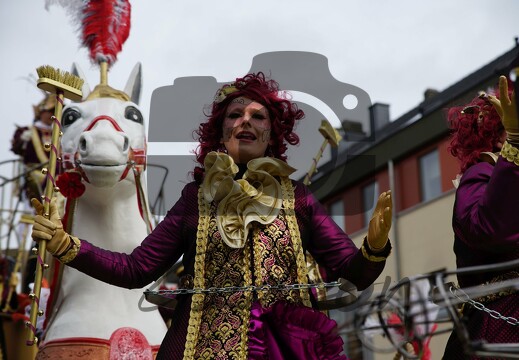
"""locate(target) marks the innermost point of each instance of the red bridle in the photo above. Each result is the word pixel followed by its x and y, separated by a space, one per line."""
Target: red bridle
pixel 136 156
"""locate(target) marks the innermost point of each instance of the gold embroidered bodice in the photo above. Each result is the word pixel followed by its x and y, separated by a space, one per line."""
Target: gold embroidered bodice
pixel 247 235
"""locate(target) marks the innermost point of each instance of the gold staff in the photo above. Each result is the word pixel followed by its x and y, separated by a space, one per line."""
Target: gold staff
pixel 64 85
pixel 26 220
pixel 332 137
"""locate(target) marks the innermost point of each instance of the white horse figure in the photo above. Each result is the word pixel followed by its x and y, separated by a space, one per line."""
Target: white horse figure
pixel 104 139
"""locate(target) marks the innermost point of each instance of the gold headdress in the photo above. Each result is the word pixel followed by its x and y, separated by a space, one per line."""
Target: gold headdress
pixel 224 91
pixel 47 104
pixel 103 90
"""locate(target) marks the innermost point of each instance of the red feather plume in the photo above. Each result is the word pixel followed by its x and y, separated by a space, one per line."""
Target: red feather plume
pixel 105 28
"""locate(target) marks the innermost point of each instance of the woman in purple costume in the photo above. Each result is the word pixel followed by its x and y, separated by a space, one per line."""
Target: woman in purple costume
pixel 28 142
pixel 485 140
pixel 242 222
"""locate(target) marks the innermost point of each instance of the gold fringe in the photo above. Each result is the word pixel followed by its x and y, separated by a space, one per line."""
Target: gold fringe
pixel 288 205
pixel 197 301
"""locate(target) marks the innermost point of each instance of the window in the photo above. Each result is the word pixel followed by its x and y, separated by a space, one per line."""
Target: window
pixel 337 214
pixel 369 200
pixel 430 181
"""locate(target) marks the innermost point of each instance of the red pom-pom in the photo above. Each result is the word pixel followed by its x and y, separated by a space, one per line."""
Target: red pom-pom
pixel 70 185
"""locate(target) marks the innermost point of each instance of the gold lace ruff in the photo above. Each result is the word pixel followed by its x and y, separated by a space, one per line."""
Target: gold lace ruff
pixel 218 324
pixel 254 198
pixel 510 153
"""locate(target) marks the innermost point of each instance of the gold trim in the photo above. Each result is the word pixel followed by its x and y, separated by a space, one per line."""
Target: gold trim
pixel 510 153
pixel 105 91
pixel 243 351
pixel 72 252
pixel 257 262
pixel 197 300
pixel 290 215
pixel 373 258
pixel 498 295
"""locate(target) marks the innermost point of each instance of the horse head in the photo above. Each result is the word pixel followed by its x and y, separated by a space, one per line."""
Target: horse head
pixel 104 136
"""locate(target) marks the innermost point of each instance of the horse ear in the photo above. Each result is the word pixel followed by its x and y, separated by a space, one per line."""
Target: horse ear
pixel 134 85
pixel 76 70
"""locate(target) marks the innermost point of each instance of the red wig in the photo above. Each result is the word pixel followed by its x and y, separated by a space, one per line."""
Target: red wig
pixel 476 128
pixel 283 114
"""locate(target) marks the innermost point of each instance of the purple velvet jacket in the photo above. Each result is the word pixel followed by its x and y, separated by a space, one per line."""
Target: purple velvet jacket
pixel 485 221
pixel 176 236
pixel 486 231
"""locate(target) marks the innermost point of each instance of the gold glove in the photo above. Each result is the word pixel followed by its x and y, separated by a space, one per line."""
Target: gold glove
pixel 50 230
pixel 380 222
pixel 506 109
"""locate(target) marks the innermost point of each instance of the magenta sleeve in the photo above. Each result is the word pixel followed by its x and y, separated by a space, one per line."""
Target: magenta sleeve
pixel 484 214
pixel 335 251
pixel 147 262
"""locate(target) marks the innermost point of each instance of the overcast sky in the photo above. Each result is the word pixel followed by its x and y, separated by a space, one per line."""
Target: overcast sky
pixel 394 50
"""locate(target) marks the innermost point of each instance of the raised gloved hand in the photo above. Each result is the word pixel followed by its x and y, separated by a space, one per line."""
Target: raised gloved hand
pixel 505 107
pixel 50 230
pixel 380 222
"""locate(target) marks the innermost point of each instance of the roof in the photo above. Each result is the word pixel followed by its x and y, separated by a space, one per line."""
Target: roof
pixel 423 124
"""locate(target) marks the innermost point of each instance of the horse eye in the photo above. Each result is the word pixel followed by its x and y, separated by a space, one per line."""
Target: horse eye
pixel 69 117
pixel 133 114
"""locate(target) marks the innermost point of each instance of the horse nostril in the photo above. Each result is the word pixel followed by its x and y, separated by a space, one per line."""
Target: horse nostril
pixel 126 143
pixel 82 144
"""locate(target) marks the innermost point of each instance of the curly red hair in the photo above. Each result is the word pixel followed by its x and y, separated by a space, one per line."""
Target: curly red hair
pixel 283 114
pixel 476 128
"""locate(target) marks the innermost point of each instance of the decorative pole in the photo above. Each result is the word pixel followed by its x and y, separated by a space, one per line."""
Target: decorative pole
pixel 103 67
pixel 332 137
pixel 64 85
pixel 26 220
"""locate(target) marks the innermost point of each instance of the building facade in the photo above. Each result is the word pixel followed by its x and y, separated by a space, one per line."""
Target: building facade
pixel 410 156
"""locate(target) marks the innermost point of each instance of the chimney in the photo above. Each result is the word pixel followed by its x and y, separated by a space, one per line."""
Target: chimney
pixel 378 116
pixel 430 93
pixel 352 126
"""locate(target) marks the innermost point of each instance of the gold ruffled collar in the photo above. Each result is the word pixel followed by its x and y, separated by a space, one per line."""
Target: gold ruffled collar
pixel 257 196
